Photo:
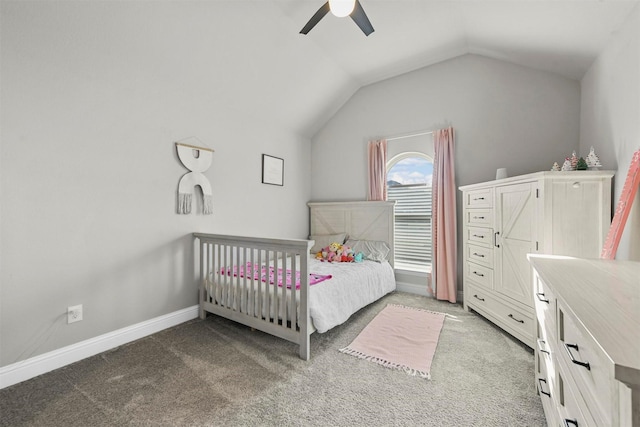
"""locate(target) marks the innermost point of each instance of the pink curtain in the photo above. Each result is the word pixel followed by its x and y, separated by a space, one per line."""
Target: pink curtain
pixel 444 216
pixel 377 170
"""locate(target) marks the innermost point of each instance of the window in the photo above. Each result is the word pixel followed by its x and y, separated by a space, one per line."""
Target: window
pixel 409 184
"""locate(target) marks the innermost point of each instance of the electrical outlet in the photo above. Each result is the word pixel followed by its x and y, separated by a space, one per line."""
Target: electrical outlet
pixel 74 313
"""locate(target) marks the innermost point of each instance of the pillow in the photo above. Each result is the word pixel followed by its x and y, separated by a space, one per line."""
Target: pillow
pixel 373 250
pixel 324 240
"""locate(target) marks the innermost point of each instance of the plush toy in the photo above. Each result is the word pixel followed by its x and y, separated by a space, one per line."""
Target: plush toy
pixel 347 254
pixel 359 257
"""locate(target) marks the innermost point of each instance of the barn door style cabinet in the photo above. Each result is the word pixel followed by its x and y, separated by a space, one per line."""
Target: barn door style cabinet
pixel 560 213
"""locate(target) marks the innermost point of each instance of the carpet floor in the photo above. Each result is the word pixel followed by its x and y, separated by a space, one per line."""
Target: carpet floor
pixel 214 372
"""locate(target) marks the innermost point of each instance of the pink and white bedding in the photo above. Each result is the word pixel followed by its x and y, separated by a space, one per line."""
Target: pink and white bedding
pixel 351 287
pixel 338 289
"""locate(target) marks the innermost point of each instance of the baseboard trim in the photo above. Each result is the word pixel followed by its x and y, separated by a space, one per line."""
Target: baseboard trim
pixel 41 364
pixel 412 289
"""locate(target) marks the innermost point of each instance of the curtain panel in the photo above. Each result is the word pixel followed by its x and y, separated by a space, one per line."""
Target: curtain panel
pixel 444 216
pixel 377 170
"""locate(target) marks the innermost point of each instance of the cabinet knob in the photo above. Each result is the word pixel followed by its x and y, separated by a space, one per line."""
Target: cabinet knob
pixel 516 319
pixel 541 297
pixel 546 393
pixel 568 347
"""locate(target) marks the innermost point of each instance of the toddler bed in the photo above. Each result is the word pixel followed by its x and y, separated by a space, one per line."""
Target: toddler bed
pixel 277 286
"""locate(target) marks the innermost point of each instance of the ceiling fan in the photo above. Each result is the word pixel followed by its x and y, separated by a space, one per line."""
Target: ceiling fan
pixel 341 8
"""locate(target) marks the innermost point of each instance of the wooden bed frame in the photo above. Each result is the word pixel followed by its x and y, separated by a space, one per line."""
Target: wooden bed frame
pixel 266 307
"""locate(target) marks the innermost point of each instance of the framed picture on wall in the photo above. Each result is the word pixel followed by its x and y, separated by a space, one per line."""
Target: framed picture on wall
pixel 272 170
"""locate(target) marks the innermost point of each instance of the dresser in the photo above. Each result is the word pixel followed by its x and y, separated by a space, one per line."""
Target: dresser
pixel 565 213
pixel 587 340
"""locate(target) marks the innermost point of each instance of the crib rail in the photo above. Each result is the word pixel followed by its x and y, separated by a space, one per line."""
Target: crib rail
pixel 244 279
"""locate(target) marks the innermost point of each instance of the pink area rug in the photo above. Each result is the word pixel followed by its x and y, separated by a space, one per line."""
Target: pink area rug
pixel 400 337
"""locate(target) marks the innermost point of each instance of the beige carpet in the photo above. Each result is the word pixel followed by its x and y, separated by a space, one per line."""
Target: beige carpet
pixel 400 337
pixel 215 372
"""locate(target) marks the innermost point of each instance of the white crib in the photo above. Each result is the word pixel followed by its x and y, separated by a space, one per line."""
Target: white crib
pixel 231 288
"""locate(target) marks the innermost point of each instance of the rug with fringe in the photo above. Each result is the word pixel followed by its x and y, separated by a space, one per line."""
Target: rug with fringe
pixel 400 337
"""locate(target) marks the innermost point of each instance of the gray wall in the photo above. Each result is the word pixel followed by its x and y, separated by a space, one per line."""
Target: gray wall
pixel 93 99
pixel 610 117
pixel 504 115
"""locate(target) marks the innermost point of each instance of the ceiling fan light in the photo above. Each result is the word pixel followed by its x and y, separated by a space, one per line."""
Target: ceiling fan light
pixel 342 8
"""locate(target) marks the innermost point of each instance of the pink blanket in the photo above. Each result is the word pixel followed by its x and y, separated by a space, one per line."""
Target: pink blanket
pixel 260 273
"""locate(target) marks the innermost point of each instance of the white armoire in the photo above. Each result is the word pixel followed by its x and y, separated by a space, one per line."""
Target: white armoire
pixel 560 213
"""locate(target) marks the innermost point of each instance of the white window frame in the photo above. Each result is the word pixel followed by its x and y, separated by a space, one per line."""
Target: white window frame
pixel 408 266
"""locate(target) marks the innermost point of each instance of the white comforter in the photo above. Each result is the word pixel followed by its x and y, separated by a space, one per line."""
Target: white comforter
pixel 353 286
pixel 331 302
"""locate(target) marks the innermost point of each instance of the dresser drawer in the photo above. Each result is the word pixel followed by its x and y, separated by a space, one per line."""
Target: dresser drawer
pixel 545 304
pixel 514 321
pixel 480 236
pixel 545 388
pixel 479 198
pixel 571 411
pixel 479 274
pixel 480 255
pixel 479 217
pixel 587 365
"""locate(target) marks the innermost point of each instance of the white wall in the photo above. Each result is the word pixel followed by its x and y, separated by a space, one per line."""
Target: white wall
pixel 94 95
pixel 504 115
pixel 610 117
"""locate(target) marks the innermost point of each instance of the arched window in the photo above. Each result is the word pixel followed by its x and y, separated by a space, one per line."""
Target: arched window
pixel 409 177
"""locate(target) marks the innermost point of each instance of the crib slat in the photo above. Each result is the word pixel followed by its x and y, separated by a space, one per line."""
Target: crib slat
pixel 283 311
pixel 292 295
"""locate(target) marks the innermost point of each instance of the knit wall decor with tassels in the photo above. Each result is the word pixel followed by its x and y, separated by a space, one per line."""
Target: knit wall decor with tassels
pixel 197 160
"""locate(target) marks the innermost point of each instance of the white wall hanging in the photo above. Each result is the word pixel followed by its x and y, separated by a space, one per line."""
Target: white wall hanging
pixel 197 160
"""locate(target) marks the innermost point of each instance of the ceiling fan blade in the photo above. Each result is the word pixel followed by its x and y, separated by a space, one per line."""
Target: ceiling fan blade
pixel 360 18
pixel 315 18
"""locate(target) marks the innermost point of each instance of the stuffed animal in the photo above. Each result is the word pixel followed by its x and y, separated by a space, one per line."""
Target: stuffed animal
pixel 347 254
pixel 359 257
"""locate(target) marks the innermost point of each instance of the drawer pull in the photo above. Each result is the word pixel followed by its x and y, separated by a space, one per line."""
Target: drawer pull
pixel 477 297
pixel 495 239
pixel 479 198
pixel 573 359
pixel 478 217
pixel 540 381
pixel 478 274
pixel 479 236
pixel 517 320
pixel 480 255
pixel 541 297
pixel 567 421
pixel 541 348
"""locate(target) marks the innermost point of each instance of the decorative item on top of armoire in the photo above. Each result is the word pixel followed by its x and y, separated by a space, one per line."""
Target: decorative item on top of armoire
pixel 623 208
pixel 593 161
pixel 555 167
pixel 582 164
pixel 574 160
pixel 197 159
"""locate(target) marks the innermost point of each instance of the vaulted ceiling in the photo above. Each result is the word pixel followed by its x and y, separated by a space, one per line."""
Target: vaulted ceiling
pixel 248 55
pixel 561 36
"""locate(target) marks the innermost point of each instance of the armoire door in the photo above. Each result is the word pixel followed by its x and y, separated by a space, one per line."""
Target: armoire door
pixel 515 228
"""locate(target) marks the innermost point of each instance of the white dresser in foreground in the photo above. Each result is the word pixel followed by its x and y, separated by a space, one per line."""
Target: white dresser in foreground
pixel 588 340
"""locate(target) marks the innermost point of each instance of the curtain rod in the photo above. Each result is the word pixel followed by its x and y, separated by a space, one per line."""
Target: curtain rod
pixel 410 135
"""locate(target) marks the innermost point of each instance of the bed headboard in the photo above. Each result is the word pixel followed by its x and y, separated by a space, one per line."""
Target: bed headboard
pixel 361 220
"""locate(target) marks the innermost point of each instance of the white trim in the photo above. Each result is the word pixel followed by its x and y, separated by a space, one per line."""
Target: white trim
pixel 38 365
pixel 412 289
